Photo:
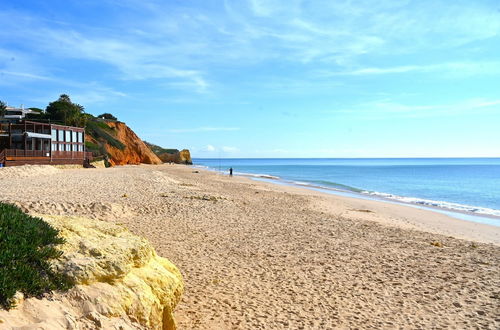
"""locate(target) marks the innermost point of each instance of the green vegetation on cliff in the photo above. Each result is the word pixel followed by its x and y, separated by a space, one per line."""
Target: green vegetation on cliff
pixel 107 116
pixel 160 150
pixel 27 244
pixel 102 134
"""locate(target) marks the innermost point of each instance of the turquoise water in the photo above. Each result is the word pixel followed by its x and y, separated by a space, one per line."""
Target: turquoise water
pixel 460 184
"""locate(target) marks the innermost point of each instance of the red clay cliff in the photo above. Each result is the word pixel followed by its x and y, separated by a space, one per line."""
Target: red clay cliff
pixel 135 151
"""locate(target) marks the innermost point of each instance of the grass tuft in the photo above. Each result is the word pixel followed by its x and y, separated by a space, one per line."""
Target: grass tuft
pixel 26 245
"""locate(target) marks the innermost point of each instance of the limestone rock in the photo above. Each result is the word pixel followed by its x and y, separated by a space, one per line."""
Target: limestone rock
pixel 121 282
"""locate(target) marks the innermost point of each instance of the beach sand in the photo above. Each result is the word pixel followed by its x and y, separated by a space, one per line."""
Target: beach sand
pixel 256 255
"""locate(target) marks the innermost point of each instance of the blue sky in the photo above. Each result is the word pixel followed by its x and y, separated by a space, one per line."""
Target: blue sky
pixel 255 78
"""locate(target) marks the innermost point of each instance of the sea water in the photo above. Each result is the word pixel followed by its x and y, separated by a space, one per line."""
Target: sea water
pixel 468 185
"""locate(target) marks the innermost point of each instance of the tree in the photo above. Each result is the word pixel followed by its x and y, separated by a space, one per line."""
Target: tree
pixel 3 108
pixel 65 111
pixel 107 116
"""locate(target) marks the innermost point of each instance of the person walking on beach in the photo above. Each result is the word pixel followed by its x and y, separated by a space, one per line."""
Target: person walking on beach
pixel 230 171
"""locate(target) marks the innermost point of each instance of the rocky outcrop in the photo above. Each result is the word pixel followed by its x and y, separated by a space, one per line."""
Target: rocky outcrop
pixel 171 155
pixel 121 283
pixel 180 157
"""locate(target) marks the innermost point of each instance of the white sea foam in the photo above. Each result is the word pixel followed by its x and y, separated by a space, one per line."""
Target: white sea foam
pixel 202 166
pixel 256 175
pixel 300 183
pixel 439 204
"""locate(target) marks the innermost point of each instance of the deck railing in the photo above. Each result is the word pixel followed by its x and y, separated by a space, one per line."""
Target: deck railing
pixel 68 154
pixel 26 153
pixel 14 153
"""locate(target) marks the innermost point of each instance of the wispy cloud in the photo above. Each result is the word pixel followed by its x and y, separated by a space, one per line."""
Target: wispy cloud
pixel 183 51
pixel 224 149
pixel 136 57
pixel 24 75
pixel 101 95
pixel 210 148
pixel 203 129
pixel 451 68
pixel 386 109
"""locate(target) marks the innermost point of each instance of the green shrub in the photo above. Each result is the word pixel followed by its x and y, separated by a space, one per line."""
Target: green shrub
pixel 26 245
pixel 160 150
pixel 107 116
pixel 89 146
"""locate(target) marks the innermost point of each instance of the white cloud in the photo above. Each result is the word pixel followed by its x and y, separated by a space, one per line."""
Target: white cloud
pixel 210 148
pixel 451 68
pixel 26 75
pixel 102 95
pixel 182 47
pixel 260 7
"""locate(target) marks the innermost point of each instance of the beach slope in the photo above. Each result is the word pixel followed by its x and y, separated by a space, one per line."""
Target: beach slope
pixel 258 255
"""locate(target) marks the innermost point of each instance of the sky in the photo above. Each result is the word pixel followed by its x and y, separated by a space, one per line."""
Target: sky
pixel 256 78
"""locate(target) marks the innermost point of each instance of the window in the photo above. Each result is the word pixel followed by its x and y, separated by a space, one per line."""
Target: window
pixel 13 113
pixel 68 136
pixel 68 147
pixel 61 147
pixel 54 135
pixel 61 135
pixel 54 147
pixel 80 137
pixel 80 147
pixel 74 137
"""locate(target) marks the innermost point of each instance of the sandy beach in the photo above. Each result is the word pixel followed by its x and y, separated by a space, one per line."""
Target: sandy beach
pixel 256 255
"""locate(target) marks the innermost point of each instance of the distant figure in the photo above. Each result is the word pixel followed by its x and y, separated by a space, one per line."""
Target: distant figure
pixel 230 171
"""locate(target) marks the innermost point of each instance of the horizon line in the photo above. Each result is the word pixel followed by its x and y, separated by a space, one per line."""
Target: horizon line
pixel 480 157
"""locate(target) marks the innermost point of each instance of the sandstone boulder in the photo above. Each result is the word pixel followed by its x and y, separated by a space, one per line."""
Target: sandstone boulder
pixel 121 282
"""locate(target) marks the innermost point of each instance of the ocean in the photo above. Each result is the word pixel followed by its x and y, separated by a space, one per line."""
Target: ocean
pixel 465 185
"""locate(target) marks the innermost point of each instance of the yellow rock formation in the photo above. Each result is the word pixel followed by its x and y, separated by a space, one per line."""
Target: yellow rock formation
pixel 121 282
pixel 181 157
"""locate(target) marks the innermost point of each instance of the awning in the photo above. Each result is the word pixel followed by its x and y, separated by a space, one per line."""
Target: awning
pixel 38 135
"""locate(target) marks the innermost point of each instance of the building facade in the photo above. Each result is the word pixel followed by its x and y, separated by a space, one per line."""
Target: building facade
pixel 30 142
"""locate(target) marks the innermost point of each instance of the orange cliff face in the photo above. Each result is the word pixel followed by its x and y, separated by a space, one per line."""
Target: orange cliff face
pixel 135 151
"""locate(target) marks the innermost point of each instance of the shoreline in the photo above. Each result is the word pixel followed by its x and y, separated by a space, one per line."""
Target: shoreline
pixel 259 255
pixel 487 219
pixel 482 218
pixel 422 218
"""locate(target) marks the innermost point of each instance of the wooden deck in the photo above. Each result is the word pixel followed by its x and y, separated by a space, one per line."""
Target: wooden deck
pixel 16 157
